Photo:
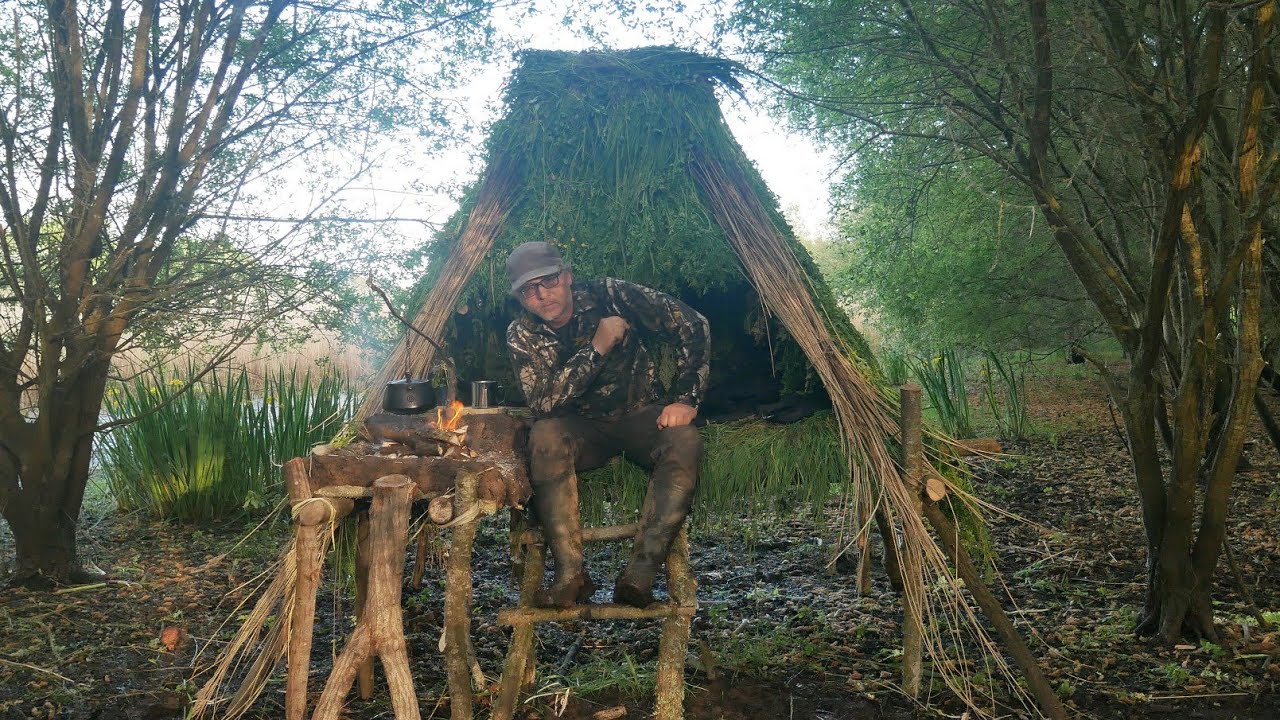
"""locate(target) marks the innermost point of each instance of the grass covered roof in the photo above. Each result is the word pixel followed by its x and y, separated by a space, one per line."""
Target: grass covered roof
pixel 595 152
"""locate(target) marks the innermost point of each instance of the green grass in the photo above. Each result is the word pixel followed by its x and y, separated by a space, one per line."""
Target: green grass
pixel 749 468
pixel 208 449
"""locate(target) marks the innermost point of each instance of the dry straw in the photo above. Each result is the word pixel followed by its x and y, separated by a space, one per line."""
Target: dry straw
pixel 867 421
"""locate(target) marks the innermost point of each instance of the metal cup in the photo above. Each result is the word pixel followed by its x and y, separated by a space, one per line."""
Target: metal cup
pixel 481 393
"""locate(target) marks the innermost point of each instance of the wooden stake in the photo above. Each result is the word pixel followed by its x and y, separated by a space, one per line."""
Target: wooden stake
pixel 302 620
pixel 308 534
pixel 419 558
pixel 990 606
pixel 380 630
pixel 863 542
pixel 457 601
pixel 912 573
pixel 364 678
pixel 674 644
pixel 892 566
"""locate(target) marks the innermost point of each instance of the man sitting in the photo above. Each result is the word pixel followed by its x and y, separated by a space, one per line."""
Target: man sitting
pixel 580 354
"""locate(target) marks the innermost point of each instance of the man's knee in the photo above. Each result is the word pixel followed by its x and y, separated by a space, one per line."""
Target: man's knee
pixel 681 446
pixel 552 446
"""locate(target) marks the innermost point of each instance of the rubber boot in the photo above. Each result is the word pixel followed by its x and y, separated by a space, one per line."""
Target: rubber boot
pixel 557 507
pixel 666 507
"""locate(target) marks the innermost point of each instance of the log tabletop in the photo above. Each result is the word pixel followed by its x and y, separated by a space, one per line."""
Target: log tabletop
pixel 498 441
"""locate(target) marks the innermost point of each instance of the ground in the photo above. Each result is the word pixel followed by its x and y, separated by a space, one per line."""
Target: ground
pixel 776 636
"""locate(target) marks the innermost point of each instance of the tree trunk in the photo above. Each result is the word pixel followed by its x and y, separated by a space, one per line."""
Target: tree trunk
pixel 44 540
pixel 42 481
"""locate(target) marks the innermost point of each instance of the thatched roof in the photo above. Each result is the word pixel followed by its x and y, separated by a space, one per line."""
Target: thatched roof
pixel 597 150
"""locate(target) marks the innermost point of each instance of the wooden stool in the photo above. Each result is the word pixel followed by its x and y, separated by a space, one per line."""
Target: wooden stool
pixel 677 614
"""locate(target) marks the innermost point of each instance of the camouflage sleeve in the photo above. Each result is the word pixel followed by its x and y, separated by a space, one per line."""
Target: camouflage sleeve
pixel 548 387
pixel 658 312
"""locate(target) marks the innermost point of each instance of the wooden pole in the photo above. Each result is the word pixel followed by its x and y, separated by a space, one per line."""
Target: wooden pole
pixel 892 566
pixel 591 534
pixel 380 630
pixel 912 572
pixel 364 677
pixel 674 644
pixel 302 620
pixel 517 671
pixel 310 522
pixel 420 558
pixel 863 542
pixel 990 606
pixel 457 600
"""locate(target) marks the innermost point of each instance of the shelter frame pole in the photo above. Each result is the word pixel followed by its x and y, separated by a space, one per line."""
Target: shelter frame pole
pixel 912 572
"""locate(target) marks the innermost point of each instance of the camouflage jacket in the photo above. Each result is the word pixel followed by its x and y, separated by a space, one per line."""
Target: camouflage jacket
pixel 561 373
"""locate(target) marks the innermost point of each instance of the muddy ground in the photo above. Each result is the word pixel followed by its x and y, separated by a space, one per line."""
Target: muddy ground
pixel 776 636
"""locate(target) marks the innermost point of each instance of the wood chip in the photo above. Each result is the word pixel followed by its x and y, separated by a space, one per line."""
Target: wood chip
pixel 935 489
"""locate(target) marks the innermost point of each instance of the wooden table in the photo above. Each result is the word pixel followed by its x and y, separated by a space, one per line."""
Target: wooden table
pixel 323 490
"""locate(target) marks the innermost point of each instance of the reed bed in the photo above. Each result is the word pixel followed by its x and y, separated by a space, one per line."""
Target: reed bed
pixel 205 449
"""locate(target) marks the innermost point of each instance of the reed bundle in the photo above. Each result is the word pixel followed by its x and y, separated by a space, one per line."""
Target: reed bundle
pixel 485 221
pixel 254 645
pixel 867 423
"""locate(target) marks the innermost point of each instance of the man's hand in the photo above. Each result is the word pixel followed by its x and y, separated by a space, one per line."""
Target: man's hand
pixel 676 414
pixel 609 332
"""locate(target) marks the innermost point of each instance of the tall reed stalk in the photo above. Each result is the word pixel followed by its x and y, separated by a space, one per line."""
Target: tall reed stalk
pixel 943 382
pixel 212 450
pixel 1008 403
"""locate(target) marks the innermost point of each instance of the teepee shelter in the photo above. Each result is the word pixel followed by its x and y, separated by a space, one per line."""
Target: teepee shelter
pixel 624 161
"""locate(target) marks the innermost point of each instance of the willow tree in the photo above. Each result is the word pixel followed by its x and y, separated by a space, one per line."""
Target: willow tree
pixel 1148 137
pixel 133 134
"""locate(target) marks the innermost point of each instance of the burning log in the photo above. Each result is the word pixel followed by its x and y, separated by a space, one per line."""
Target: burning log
pixel 445 436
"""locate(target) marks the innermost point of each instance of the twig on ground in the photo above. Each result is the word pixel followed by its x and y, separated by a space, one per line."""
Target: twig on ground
pixel 28 666
pixel 80 588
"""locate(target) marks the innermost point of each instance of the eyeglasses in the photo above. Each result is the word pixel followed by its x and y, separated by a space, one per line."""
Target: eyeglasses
pixel 546 282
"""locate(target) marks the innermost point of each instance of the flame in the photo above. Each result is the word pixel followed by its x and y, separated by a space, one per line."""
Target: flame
pixel 454 414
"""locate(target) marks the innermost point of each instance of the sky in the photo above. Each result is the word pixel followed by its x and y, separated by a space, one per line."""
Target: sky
pixel 796 170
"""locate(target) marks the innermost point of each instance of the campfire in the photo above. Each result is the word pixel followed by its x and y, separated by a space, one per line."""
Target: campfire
pixel 445 436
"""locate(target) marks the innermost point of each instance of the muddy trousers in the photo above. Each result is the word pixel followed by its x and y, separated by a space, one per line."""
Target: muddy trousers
pixel 560 447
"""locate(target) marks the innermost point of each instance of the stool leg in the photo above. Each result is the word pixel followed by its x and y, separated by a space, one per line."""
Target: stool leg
pixel 364 676
pixel 674 644
pixel 308 561
pixel 520 658
pixel 457 601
